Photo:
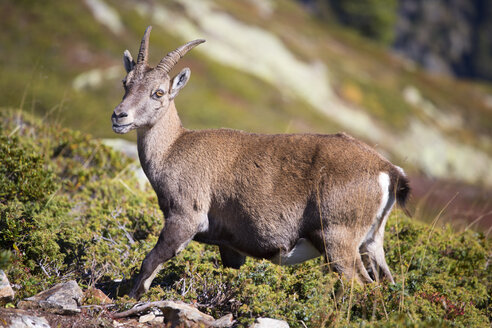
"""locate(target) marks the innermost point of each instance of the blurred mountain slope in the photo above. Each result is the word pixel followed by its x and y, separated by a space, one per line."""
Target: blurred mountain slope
pixel 267 67
pixel 450 37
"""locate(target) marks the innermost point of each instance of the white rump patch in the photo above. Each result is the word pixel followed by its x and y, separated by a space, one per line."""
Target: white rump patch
pixel 384 181
pixel 387 201
pixel 302 251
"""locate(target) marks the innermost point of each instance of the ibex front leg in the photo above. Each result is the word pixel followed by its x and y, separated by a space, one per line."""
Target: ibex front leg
pixel 175 236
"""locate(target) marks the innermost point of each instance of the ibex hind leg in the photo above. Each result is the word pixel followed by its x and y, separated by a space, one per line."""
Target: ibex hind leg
pixel 374 259
pixel 341 253
pixel 371 249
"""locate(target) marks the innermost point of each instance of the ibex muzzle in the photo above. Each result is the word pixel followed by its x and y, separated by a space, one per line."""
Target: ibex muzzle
pixel 286 198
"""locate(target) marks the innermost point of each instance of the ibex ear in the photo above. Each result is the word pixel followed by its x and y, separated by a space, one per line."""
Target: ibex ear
pixel 179 82
pixel 128 61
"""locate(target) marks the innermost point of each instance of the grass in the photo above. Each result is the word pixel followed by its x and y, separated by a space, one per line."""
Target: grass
pixel 77 228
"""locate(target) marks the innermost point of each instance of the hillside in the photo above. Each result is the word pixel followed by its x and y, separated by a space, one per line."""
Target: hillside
pixel 266 67
pixel 71 209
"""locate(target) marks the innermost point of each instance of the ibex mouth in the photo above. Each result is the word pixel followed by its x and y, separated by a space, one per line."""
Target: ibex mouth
pixel 122 128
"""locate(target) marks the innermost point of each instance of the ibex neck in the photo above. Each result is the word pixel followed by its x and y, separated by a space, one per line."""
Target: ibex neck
pixel 154 143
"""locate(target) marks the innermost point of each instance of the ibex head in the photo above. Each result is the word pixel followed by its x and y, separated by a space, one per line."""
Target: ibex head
pixel 149 91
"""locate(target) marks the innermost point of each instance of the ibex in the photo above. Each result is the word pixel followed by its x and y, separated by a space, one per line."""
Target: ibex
pixel 287 198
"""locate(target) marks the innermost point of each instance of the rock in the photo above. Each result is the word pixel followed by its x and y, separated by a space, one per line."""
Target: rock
pixel 157 312
pixel 29 321
pixel 224 322
pixel 6 292
pixel 146 318
pixel 13 318
pixel 157 320
pixel 96 296
pixel 62 298
pixel 179 313
pixel 269 323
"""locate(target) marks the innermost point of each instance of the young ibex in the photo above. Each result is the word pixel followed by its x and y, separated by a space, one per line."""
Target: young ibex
pixel 287 198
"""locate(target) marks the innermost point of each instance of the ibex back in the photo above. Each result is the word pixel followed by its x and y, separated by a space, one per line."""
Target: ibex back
pixel 286 198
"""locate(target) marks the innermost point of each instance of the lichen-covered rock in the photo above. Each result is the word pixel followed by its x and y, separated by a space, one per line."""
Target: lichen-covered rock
pixel 269 323
pixel 6 292
pixel 63 298
pixel 21 319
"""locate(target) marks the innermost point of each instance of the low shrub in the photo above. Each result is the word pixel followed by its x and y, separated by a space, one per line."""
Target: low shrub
pixel 70 208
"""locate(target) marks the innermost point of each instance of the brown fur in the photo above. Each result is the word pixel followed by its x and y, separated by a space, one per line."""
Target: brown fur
pixel 252 194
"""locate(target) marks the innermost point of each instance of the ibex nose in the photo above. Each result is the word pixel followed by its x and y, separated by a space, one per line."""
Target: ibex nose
pixel 120 115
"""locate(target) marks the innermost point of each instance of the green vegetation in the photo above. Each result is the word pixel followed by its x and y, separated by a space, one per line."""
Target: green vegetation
pixel 4 259
pixel 70 207
pixel 61 206
pixel 74 211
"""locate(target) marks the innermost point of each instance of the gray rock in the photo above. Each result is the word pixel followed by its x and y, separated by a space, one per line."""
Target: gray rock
pixel 179 313
pixel 224 322
pixel 157 320
pixel 13 318
pixel 63 298
pixel 6 292
pixel 269 323
pixel 146 318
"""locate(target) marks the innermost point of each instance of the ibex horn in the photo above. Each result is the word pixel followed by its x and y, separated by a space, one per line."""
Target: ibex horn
pixel 168 62
pixel 143 54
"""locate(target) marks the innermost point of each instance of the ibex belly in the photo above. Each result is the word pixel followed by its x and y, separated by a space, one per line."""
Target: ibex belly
pixel 302 251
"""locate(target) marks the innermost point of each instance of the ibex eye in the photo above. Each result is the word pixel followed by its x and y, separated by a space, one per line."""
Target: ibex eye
pixel 159 93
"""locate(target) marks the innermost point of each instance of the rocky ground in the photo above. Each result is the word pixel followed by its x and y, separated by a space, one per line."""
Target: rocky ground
pixel 62 306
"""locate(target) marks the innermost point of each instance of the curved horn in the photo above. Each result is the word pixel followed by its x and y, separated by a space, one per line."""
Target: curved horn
pixel 143 54
pixel 168 62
